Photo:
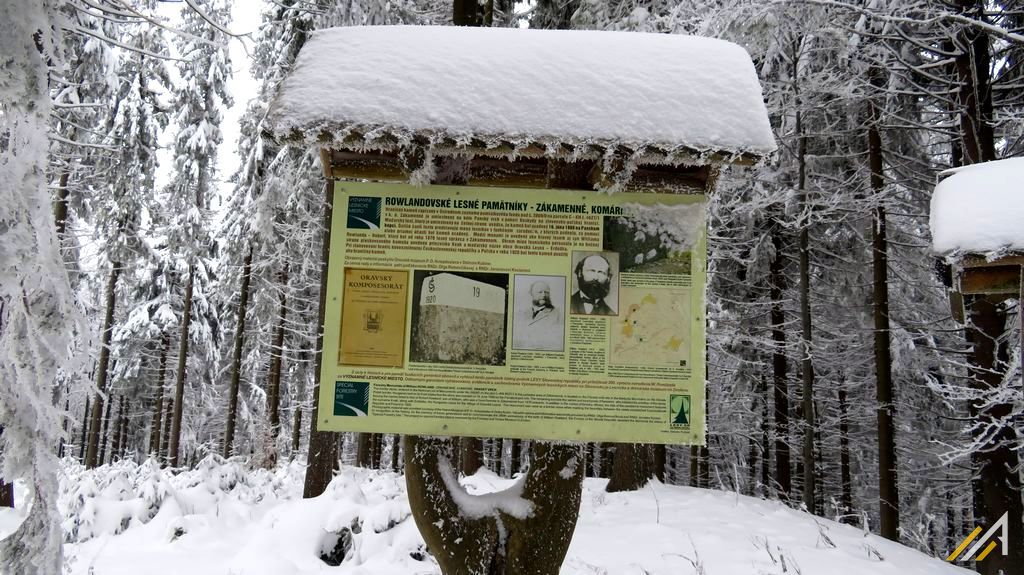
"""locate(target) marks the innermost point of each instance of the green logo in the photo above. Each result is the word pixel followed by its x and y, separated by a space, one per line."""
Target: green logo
pixel 351 398
pixel 679 410
pixel 363 213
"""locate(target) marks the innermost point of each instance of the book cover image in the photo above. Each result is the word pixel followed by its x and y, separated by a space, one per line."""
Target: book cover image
pixel 373 318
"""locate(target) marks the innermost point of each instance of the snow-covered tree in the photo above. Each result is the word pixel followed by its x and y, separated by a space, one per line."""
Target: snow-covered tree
pixel 36 306
pixel 124 200
pixel 200 96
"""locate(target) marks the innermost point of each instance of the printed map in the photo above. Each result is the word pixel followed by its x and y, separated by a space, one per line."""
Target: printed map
pixel 652 327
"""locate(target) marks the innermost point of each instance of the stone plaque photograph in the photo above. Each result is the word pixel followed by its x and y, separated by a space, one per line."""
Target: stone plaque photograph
pixel 459 318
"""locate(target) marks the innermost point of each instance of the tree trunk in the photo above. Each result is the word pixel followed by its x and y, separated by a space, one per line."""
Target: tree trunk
pixel 778 318
pixel 592 463
pixel 375 448
pixel 467 13
pixel 888 480
pixel 604 457
pixel 806 353
pixel 376 442
pixel 115 447
pixel 498 543
pixel 488 12
pixel 60 206
pixel 123 443
pixel 499 456
pixel 845 477
pixel 974 98
pixel 65 428
pixel 997 478
pixel 6 494
pixel 92 450
pixel 179 384
pixel 158 408
pixel 236 357
pixel 553 14
pixel 85 432
pixel 765 437
pixel 322 444
pixel 704 478
pixel 588 460
pixel 363 449
pixel 755 450
pixel 819 486
pixel 515 457
pixel 167 433
pixel 105 434
pixel 471 454
pixel 694 465
pixel 631 467
pixel 276 362
pixel 951 539
pixel 296 430
pixel 6 489
pixel 395 444
pixel 658 461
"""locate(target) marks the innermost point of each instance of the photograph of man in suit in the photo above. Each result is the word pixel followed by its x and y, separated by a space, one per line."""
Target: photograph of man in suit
pixel 594 274
pixel 539 323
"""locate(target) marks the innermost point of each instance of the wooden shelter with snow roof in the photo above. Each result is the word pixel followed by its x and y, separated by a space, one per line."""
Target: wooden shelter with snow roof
pixel 524 108
pixel 976 218
pixel 509 114
pixel 545 114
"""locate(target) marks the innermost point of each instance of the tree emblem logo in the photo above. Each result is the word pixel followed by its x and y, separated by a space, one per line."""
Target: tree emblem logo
pixel 679 411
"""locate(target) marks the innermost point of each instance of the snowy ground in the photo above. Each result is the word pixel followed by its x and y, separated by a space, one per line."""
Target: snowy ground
pixel 223 519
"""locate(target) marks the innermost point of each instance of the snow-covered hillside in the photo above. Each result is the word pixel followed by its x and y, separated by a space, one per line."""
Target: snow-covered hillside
pixel 224 519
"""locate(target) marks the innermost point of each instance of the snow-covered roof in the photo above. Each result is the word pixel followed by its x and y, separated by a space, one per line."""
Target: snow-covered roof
pixel 568 93
pixel 980 208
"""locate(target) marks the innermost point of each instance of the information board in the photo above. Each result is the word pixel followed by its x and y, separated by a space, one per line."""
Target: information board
pixel 543 314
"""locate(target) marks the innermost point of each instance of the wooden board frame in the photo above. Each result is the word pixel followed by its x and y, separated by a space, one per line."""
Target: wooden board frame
pixel 976 275
pixel 526 171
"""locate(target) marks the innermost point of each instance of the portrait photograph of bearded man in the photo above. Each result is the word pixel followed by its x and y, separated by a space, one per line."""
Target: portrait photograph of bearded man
pixel 595 283
pixel 539 321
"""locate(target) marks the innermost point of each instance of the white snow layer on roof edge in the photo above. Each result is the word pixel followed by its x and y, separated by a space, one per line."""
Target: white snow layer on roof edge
pixel 980 209
pixel 567 86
